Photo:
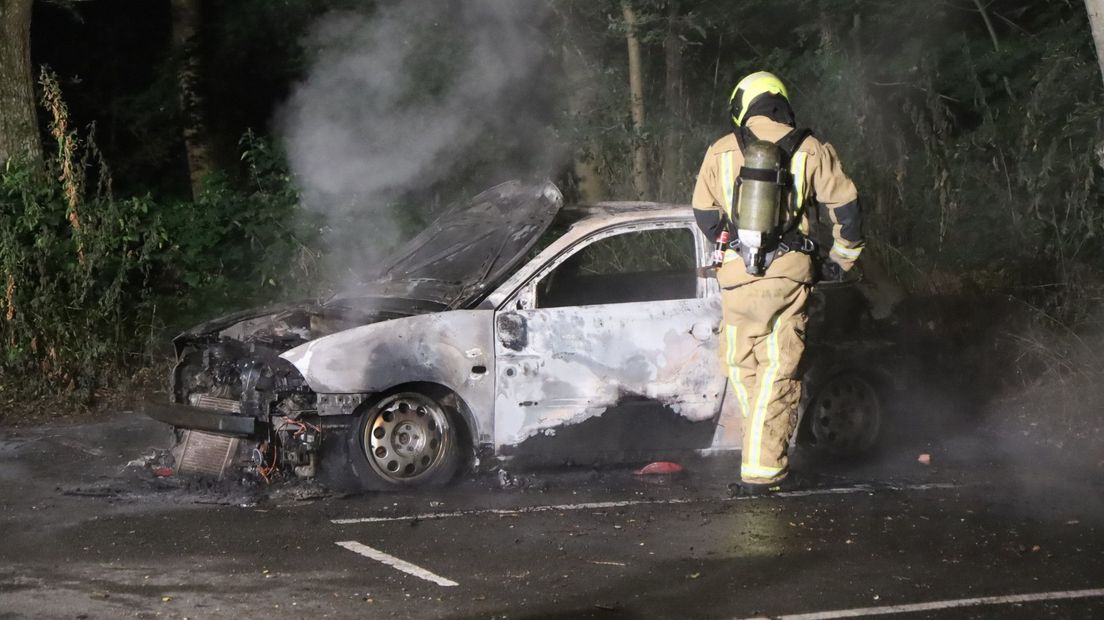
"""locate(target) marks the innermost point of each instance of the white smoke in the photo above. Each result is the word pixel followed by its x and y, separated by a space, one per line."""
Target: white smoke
pixel 394 101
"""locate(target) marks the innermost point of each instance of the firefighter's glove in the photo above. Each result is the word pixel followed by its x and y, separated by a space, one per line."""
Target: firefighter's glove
pixel 831 271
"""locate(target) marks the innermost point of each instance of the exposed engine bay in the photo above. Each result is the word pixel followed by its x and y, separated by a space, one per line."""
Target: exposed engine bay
pixel 237 370
pixel 243 407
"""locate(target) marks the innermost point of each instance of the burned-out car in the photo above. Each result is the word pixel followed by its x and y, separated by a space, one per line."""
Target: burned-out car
pixel 510 330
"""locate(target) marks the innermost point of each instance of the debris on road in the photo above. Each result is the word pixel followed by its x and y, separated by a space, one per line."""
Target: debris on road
pixel 508 481
pixel 156 460
pixel 924 459
pixel 293 491
pixel 660 468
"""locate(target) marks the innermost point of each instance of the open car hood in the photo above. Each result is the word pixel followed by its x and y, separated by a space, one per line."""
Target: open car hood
pixel 471 246
pixel 451 264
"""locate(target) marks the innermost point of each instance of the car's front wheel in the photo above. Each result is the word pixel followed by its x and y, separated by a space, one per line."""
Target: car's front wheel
pixel 408 439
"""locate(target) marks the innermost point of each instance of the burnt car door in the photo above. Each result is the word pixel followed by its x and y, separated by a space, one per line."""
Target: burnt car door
pixel 610 350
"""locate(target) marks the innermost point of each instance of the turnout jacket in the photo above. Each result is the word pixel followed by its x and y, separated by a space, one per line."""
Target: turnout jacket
pixel 818 178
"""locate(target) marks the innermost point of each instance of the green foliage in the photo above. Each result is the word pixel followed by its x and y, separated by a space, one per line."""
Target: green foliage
pixel 239 243
pixel 979 163
pixel 963 171
pixel 88 280
pixel 75 268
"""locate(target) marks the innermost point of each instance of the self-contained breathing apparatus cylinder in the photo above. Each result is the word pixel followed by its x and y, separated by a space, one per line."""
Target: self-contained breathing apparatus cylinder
pixel 759 204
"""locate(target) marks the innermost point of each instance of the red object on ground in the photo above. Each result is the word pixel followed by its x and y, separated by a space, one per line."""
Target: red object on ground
pixel 163 472
pixel 660 468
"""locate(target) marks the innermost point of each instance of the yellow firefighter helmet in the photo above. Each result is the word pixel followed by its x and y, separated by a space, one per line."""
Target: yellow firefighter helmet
pixel 752 87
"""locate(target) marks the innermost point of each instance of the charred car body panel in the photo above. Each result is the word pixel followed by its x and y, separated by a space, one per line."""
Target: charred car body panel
pixel 453 349
pixel 570 351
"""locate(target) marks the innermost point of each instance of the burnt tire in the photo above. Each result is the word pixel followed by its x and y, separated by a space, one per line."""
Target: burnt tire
pixel 844 416
pixel 405 440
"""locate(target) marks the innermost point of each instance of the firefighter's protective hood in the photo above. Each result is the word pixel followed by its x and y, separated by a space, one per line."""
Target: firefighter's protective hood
pixel 752 88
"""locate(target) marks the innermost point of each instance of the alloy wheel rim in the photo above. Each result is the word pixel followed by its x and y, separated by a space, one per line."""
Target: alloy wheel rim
pixel 845 415
pixel 407 438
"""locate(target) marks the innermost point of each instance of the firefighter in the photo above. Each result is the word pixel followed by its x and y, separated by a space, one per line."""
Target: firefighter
pixel 761 184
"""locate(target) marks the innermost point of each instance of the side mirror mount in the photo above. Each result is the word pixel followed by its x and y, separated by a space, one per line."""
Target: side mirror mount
pixel 526 299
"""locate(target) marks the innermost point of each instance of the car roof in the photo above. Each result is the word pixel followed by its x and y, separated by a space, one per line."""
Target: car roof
pixel 625 211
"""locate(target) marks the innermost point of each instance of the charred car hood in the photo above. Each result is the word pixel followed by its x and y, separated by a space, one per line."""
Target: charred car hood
pixel 295 322
pixel 472 246
pixel 451 264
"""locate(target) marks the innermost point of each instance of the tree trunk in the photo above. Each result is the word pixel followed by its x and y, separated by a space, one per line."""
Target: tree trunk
pixel 19 137
pixel 1096 20
pixel 580 98
pixel 636 102
pixel 672 154
pixel 185 26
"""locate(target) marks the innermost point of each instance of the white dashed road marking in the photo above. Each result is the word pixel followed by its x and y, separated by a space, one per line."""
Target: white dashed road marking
pixel 637 502
pixel 395 563
pixel 940 605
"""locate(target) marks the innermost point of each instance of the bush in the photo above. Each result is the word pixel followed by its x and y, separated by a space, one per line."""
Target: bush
pixel 75 267
pixel 89 282
pixel 239 243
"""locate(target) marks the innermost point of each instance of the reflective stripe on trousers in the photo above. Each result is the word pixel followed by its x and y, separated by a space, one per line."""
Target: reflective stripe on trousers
pixel 759 472
pixel 764 341
pixel 734 370
pixel 766 387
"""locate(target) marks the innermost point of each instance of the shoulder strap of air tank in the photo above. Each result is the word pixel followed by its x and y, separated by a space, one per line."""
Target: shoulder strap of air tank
pixel 789 145
pixel 792 141
pixel 741 137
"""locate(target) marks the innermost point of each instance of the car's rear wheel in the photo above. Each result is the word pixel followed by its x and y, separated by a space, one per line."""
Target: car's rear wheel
pixel 408 439
pixel 845 415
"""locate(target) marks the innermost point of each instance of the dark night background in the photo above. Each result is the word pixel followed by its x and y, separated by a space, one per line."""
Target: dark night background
pixel 973 131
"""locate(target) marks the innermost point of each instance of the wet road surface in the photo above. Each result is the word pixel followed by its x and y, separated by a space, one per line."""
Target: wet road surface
pixel 982 532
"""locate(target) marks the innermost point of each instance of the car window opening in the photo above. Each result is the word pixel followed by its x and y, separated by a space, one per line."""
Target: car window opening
pixel 639 266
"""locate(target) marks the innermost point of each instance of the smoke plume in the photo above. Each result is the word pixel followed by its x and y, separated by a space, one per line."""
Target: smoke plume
pixel 411 105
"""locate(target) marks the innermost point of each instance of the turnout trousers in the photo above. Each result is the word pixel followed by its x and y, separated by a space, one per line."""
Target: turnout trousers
pixel 762 341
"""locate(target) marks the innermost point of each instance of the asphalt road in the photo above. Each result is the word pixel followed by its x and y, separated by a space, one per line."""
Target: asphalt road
pixel 983 531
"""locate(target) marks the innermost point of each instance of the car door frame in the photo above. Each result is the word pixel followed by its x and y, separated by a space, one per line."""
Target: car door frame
pixel 521 295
